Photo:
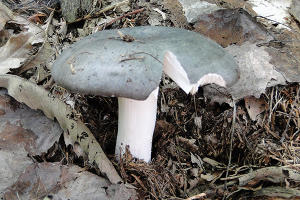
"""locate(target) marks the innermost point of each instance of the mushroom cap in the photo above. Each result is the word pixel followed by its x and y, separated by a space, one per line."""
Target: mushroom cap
pixel 104 64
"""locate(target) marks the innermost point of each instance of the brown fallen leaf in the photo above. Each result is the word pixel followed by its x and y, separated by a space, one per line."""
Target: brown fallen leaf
pixel 255 106
pixel 64 182
pixel 19 47
pixel 36 18
pixel 231 26
pixel 23 132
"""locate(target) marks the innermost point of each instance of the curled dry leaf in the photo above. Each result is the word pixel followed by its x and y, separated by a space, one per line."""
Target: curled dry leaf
pixel 20 46
pixel 44 54
pixel 74 130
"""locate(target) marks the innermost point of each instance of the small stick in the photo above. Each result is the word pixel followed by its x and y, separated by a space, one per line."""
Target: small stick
pixel 125 38
pixel 132 58
pixel 197 196
pixel 231 144
pixel 125 15
pixel 149 55
pixel 110 7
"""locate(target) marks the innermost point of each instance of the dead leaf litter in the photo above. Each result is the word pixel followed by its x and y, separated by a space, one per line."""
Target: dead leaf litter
pixel 192 141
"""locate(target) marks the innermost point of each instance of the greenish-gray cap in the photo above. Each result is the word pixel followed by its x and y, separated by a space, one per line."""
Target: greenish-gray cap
pixel 104 64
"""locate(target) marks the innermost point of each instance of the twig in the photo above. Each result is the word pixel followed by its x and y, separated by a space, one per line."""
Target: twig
pixel 197 196
pixel 230 178
pixel 298 92
pixel 125 38
pixel 266 18
pixel 271 105
pixel 230 183
pixel 139 181
pixel 125 15
pixel 231 143
pixel 132 58
pixel 284 134
pixel 149 55
pixel 110 7
pixel 268 130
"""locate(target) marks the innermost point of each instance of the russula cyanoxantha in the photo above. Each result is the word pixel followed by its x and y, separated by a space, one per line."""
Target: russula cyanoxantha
pixel 128 63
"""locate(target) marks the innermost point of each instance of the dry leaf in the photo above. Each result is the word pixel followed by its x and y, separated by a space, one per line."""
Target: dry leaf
pixel 21 119
pixel 64 182
pixel 4 16
pixel 74 130
pixel 193 9
pixel 295 9
pixel 272 11
pixel 264 59
pixel 45 53
pixel 255 106
pixel 277 193
pixel 228 26
pixel 272 174
pixel 23 132
pixel 19 47
pixel 213 162
pixel 196 159
pixel 256 72
pixel 208 177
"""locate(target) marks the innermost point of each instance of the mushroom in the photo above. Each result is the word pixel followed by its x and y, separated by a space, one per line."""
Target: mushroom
pixel 128 64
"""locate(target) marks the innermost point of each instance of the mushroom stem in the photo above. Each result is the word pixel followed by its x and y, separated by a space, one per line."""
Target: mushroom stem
pixel 136 126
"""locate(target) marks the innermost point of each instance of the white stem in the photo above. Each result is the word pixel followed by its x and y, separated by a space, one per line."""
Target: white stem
pixel 136 126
